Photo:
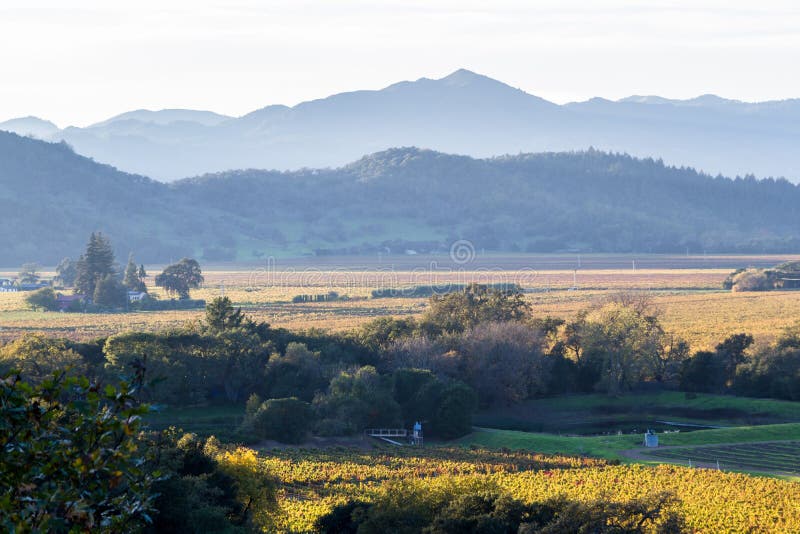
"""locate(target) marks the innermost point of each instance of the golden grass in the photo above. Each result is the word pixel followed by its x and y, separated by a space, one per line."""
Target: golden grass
pixel 689 300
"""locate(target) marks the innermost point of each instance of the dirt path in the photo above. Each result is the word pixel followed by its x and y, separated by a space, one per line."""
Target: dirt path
pixel 644 454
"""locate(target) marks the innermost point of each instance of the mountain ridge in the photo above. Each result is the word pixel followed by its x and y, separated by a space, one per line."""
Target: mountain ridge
pixel 463 112
pixel 402 198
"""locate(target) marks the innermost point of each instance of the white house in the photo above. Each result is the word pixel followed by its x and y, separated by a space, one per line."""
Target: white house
pixel 7 286
pixel 136 296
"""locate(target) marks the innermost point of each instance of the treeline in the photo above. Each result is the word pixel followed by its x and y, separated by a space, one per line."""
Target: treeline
pixel 477 347
pixel 319 383
pixel 430 290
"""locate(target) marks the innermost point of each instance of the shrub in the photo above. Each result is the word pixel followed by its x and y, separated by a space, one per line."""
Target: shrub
pixel 71 461
pixel 752 280
pixel 286 420
pixel 44 299
pixel 358 400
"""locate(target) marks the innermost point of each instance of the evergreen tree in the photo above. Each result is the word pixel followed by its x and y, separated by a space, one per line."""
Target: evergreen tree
pixel 95 264
pixel 132 279
pixel 109 293
pixel 221 315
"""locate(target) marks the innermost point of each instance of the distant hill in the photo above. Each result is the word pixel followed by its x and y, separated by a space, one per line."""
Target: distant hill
pixel 398 199
pixel 30 126
pixel 463 113
pixel 167 116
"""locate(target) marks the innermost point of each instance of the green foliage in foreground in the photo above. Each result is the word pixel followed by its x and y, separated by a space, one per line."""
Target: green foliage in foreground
pixel 70 461
pixel 197 494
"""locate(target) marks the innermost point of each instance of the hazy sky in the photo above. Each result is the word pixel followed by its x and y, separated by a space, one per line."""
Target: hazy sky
pixel 81 64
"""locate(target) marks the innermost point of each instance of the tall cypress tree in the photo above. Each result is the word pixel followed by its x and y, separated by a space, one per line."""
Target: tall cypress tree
pixel 94 264
pixel 133 280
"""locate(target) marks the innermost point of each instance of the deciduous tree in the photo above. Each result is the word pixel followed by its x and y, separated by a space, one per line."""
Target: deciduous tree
pixel 180 277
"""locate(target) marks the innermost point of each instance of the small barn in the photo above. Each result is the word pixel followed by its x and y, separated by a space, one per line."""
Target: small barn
pixel 66 302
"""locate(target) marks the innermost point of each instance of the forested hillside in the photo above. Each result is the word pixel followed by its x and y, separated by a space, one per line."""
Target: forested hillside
pixel 405 198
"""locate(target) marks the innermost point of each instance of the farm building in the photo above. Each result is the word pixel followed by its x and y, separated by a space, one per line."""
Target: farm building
pixel 7 286
pixel 137 296
pixel 66 302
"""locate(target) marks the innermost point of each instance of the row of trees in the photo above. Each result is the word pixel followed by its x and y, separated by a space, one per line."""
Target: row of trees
pixel 489 340
pixel 229 357
pixel 480 345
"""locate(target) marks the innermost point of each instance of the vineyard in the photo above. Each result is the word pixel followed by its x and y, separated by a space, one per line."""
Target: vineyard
pixel 779 457
pixel 312 482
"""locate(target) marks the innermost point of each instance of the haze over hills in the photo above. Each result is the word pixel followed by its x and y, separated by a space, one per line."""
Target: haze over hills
pixel 31 126
pixel 463 113
pixel 390 201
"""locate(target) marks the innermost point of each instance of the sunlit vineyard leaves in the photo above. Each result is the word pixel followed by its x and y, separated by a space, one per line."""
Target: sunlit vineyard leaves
pixel 312 482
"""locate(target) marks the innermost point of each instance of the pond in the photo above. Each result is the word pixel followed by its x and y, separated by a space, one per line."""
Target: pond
pixel 598 426
pixel 602 428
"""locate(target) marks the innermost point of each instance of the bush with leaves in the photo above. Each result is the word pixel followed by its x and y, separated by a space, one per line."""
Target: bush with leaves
pixel 36 357
pixel 286 420
pixel 715 372
pixel 458 311
pixel 43 299
pixel 444 408
pixel 772 371
pixel 193 495
pixel 71 461
pixel 66 272
pixel 296 373
pixel 221 315
pixel 357 400
pixel 109 293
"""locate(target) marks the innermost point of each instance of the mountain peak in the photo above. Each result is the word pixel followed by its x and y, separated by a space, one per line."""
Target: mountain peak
pixel 462 77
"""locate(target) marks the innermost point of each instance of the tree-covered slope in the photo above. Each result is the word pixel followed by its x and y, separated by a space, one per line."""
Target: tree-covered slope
pixel 52 198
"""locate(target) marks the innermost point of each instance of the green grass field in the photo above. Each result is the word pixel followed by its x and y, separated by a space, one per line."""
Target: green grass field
pixel 611 446
pixel 597 414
